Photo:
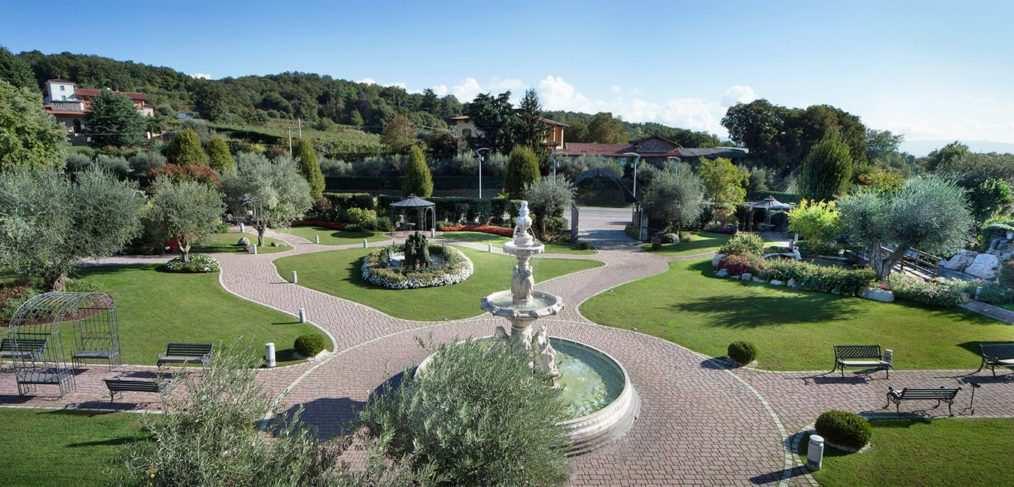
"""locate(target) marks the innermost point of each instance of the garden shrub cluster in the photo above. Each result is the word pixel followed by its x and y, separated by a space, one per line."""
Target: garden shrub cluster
pixel 490 229
pixel 311 344
pixel 457 267
pixel 844 428
pixel 995 294
pixel 743 244
pixel 739 264
pixel 813 277
pixel 199 263
pixel 941 293
pixel 478 415
pixel 742 352
pixel 12 297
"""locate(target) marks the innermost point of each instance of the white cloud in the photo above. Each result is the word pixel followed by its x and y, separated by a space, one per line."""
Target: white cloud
pixel 738 94
pixel 201 76
pixel 368 81
pixel 440 90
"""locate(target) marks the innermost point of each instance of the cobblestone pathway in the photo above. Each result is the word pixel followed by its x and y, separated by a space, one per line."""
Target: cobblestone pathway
pixel 700 423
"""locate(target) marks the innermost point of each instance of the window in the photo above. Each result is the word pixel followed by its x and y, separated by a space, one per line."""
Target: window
pixel 62 87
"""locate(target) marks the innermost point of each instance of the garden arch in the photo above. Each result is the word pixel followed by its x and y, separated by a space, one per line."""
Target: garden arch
pixel 423 207
pixel 52 333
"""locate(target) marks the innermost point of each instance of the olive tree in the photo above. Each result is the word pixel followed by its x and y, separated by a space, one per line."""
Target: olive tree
pixel 270 193
pixel 48 223
pixel 29 137
pixel 549 197
pixel 675 196
pixel 185 211
pixel 928 213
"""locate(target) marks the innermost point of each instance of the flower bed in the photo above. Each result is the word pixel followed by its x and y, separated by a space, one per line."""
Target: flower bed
pixel 456 268
pixel 199 263
pixel 491 229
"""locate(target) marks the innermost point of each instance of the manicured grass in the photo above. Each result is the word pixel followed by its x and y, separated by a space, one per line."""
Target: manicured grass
pixel 698 243
pixel 923 452
pixel 793 330
pixel 330 236
pixel 496 240
pixel 58 448
pixel 226 242
pixel 337 273
pixel 154 308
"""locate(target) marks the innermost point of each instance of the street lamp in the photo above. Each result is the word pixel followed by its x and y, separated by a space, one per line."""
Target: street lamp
pixel 478 153
pixel 637 160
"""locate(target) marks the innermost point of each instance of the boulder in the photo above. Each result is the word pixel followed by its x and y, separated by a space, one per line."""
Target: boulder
pixel 746 276
pixel 717 259
pixel 793 284
pixel 722 273
pixel 959 261
pixel 776 282
pixel 984 266
pixel 882 295
pixel 758 279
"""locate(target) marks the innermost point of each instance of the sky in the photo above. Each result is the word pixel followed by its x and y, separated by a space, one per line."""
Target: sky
pixel 934 71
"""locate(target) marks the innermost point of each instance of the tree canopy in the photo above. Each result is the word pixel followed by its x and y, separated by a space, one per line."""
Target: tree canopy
pixel 417 179
pixel 219 156
pixel 185 149
pixel 675 196
pixel 724 182
pixel 522 170
pixel 529 129
pixel 185 211
pixel 16 71
pixel 113 121
pixel 310 168
pixel 29 137
pixel 273 192
pixel 399 133
pixel 827 171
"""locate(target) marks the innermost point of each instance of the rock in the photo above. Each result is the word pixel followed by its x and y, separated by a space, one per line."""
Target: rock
pixel 959 261
pixel 776 282
pixel 793 284
pixel 671 238
pixel 243 241
pixel 717 259
pixel 758 279
pixel 722 273
pixel 984 266
pixel 882 295
pixel 746 276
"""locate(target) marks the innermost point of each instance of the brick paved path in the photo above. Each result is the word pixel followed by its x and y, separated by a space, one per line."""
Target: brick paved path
pixel 700 422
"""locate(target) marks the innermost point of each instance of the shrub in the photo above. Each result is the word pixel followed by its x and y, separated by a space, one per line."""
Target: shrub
pixel 738 264
pixel 815 220
pixel 478 415
pixel 360 218
pixel 844 428
pixel 311 344
pixel 11 298
pixel 743 244
pixel 198 264
pixel 584 245
pixel 742 352
pixel 942 293
pixel 995 294
pixel 383 224
pixel 813 277
pixel 1006 277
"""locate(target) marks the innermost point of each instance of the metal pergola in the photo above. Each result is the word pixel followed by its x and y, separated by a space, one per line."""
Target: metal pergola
pixel 421 206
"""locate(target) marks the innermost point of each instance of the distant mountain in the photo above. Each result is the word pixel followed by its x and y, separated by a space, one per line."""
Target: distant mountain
pixel 921 148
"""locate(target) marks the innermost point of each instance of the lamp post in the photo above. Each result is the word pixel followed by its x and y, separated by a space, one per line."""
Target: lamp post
pixel 478 153
pixel 637 160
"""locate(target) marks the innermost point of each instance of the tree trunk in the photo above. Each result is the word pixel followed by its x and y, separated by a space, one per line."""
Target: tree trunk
pixel 184 249
pixel 260 233
pixel 883 264
pixel 57 282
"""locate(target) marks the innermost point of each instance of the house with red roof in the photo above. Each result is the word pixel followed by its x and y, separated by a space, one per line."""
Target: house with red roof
pixel 462 128
pixel 69 103
pixel 654 148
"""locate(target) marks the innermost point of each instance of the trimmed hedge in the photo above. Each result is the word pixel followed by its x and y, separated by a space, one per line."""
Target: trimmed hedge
pixel 942 293
pixel 844 428
pixel 743 244
pixel 738 264
pixel 742 352
pixel 827 279
pixel 311 344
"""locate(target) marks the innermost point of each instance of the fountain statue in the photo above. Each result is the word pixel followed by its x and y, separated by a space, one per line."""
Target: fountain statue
pixel 526 305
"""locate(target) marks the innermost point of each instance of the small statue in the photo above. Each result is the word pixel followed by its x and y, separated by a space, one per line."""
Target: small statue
pixel 522 236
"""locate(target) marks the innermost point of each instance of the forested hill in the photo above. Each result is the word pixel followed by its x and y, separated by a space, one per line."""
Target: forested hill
pixel 602 127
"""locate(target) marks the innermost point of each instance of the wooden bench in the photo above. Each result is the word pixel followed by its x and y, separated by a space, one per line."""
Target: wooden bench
pixel 117 386
pixel 865 356
pixel 22 348
pixel 186 353
pixel 996 354
pixel 940 395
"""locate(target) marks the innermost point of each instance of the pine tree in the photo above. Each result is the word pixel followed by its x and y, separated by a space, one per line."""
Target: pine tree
pixel 219 157
pixel 185 149
pixel 417 179
pixel 113 120
pixel 522 170
pixel 310 167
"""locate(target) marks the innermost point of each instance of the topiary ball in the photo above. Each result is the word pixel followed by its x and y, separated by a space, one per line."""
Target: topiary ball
pixel 742 352
pixel 311 344
pixel 844 428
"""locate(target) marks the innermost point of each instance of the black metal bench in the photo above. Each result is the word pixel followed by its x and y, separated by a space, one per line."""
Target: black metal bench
pixel 117 386
pixel 996 354
pixel 940 395
pixel 22 348
pixel 868 357
pixel 186 353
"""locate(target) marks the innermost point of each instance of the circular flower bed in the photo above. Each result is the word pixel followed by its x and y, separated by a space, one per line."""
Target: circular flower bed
pixel 198 264
pixel 450 267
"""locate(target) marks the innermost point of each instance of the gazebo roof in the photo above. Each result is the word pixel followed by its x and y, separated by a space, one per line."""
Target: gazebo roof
pixel 769 203
pixel 413 201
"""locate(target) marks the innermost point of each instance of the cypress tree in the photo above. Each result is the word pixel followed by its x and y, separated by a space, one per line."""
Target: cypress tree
pixel 417 180
pixel 827 170
pixel 522 171
pixel 219 156
pixel 185 149
pixel 310 168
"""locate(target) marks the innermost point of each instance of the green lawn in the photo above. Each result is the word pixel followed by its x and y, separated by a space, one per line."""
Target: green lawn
pixel 793 330
pixel 337 273
pixel 226 242
pixel 58 448
pixel 699 243
pixel 330 236
pixel 923 453
pixel 497 240
pixel 154 308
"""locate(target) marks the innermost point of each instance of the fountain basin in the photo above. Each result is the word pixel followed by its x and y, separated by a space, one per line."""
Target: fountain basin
pixel 501 303
pixel 596 390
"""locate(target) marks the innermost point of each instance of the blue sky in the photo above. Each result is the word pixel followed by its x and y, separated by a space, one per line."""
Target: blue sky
pixel 931 70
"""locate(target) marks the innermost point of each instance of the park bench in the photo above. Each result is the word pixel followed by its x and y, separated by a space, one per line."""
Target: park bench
pixel 22 348
pixel 866 356
pixel 185 353
pixel 996 354
pixel 117 386
pixel 940 395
